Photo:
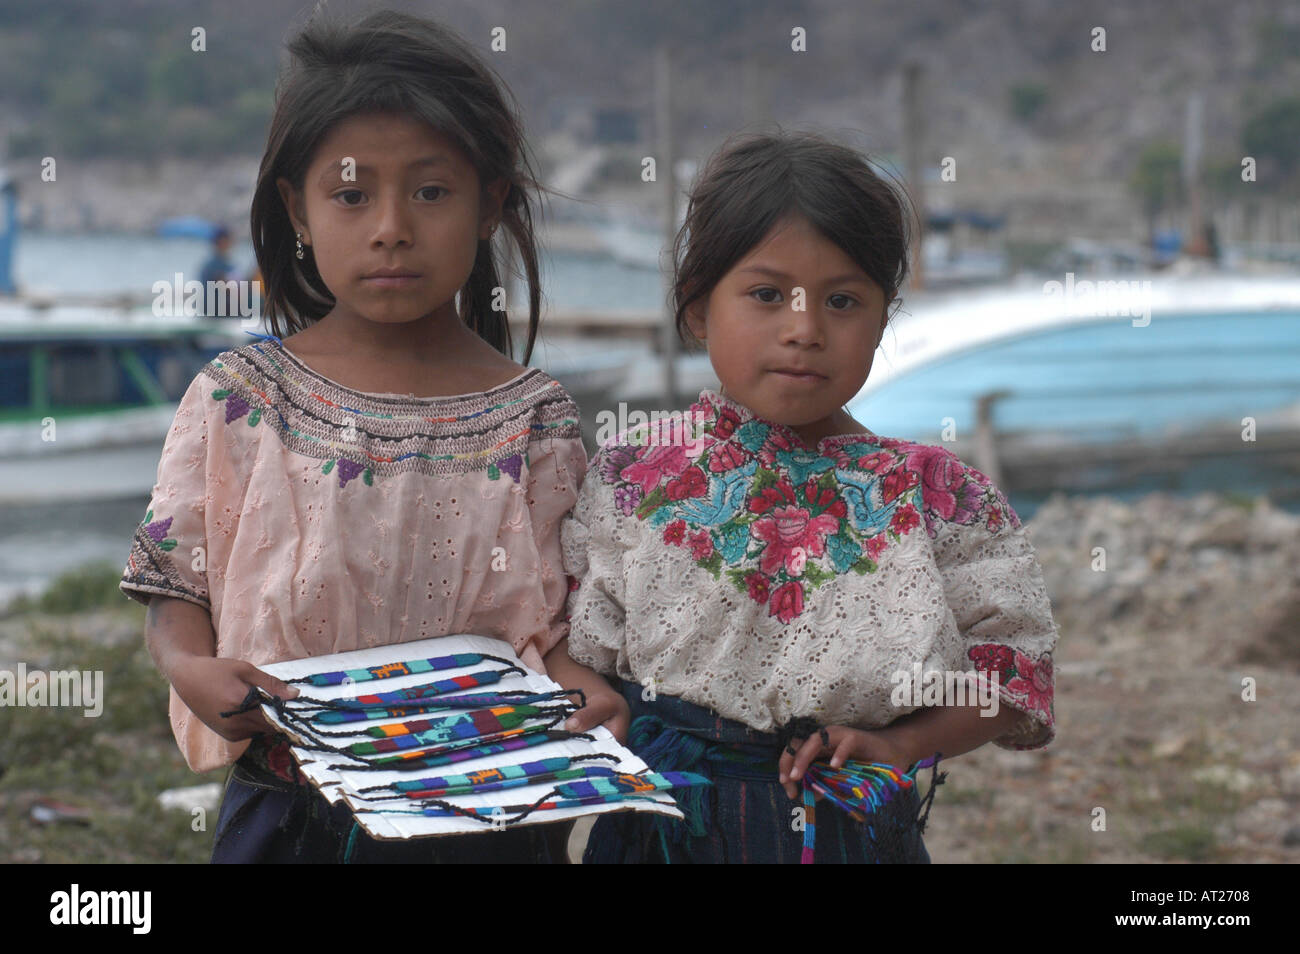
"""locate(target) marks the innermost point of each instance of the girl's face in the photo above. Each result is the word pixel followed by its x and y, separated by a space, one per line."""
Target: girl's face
pixel 388 192
pixel 790 361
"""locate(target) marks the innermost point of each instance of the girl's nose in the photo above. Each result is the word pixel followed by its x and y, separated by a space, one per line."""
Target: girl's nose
pixel 801 326
pixel 392 225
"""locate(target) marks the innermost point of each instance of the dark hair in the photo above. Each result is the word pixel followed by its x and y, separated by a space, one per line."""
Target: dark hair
pixel 391 62
pixel 756 179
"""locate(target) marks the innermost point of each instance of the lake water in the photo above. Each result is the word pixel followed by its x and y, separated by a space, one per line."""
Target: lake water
pixel 92 264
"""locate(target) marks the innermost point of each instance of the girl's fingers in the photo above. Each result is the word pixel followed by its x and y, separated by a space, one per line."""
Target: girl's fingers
pixel 784 765
pixel 599 709
pixel 265 681
pixel 808 752
pixel 843 753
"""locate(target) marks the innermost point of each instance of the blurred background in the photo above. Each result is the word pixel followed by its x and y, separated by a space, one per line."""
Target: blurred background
pixel 1104 317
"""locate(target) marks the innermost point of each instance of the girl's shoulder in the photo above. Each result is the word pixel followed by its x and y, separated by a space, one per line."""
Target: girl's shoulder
pixel 947 490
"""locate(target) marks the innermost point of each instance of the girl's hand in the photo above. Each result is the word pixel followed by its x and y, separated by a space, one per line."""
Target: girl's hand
pixel 604 707
pixel 843 743
pixel 212 685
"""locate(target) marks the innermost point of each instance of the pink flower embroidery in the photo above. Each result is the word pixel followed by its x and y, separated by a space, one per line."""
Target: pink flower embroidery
pixel 787 602
pixel 756 583
pixel 692 483
pixel 776 441
pixel 726 423
pixel 787 529
pixel 818 498
pixel 701 544
pixel 675 533
pixel 876 546
pixel 1034 681
pixel 898 482
pixel 904 519
pixel 992 657
pixel 781 492
pixel 651 467
pixel 725 457
pixel 944 486
pixel 876 462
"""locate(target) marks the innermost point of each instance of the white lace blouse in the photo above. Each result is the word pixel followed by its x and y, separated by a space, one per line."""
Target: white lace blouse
pixel 716 558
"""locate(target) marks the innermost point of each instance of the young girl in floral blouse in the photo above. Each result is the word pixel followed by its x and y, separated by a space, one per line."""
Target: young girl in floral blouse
pixel 385 474
pixel 762 575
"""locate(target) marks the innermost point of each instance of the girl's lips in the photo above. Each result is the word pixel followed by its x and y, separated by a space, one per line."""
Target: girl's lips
pixel 798 376
pixel 392 281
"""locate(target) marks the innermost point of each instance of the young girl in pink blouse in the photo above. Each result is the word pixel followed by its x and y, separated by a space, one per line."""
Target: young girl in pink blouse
pixel 763 577
pixel 385 473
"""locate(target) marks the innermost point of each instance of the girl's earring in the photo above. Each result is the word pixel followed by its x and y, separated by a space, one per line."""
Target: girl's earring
pixel 298 253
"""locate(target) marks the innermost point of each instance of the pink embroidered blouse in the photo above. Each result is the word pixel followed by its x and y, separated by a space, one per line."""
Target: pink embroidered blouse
pixel 720 560
pixel 310 518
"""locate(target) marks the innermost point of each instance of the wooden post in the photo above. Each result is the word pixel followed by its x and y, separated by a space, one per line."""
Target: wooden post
pixel 666 166
pixel 986 449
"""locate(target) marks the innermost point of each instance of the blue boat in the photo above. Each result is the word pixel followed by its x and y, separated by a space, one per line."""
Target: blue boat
pixel 1155 390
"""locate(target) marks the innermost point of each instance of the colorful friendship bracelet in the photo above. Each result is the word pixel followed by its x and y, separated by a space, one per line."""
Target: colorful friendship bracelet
pixel 409 668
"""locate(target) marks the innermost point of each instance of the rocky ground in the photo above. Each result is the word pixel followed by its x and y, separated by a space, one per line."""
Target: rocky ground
pixel 1197 597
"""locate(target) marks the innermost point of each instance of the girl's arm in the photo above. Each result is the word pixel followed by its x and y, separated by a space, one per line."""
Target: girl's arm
pixel 181 641
pixel 604 706
pixel 949 730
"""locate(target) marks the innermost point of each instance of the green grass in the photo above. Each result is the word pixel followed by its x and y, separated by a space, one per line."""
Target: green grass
pixel 114 765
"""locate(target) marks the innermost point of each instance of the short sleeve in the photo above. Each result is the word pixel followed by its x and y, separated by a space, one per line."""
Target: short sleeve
pixel 554 477
pixel 994 586
pixel 163 556
pixel 593 558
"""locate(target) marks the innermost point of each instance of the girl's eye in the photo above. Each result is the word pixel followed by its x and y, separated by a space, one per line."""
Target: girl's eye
pixel 357 192
pixel 767 301
pixel 851 301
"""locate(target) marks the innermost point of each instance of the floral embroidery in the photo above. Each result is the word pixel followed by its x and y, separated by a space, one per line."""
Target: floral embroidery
pixel 953 492
pixel 512 465
pixel 744 496
pixel 349 469
pixel 157 531
pixel 1027 682
pixel 237 407
pixel 780 520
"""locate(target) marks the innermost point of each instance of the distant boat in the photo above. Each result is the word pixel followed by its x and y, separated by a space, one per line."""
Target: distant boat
pixel 87 398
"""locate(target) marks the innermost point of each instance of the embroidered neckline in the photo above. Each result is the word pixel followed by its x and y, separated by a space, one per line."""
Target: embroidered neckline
pixel 720 401
pixel 379 437
pixel 387 395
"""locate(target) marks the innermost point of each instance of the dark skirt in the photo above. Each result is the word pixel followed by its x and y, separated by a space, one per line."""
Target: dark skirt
pixel 270 814
pixel 745 816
